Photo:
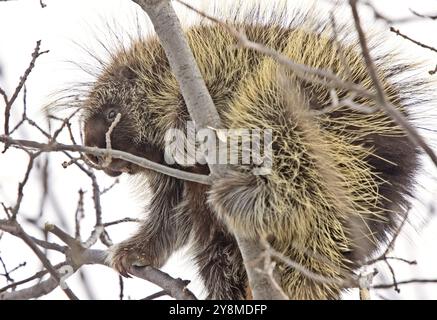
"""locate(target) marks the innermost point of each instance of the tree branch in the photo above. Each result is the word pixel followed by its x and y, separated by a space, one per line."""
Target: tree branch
pixel 142 162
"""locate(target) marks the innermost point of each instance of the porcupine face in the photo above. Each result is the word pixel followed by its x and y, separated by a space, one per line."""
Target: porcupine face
pixel 111 95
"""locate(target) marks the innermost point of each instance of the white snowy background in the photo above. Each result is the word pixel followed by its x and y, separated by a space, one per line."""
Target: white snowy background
pixel 64 26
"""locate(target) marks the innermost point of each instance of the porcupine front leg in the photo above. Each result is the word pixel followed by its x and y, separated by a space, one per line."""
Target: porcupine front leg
pixel 163 232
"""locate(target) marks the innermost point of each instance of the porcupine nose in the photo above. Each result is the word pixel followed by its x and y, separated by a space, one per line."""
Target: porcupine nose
pixel 94 132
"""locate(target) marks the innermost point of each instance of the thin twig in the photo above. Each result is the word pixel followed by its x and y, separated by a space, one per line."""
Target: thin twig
pixel 155 295
pixel 398 283
pixel 108 224
pixel 36 53
pixel 142 162
pixel 420 44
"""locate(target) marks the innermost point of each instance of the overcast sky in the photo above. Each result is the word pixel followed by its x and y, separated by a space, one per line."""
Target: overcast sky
pixel 64 24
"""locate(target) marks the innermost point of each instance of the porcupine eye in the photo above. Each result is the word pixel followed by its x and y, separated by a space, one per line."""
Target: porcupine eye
pixel 111 114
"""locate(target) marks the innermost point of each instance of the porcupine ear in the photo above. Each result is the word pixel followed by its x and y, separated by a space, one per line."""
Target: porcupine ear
pixel 125 73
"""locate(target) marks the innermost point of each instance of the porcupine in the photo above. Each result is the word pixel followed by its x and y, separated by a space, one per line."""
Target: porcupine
pixel 340 179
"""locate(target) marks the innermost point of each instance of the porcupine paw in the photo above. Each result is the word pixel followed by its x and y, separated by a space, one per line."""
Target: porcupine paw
pixel 123 256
